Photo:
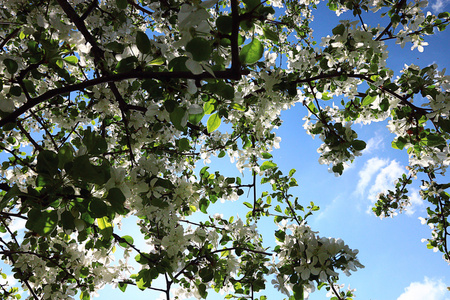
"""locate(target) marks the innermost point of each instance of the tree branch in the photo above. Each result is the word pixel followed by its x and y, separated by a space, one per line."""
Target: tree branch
pixel 12 117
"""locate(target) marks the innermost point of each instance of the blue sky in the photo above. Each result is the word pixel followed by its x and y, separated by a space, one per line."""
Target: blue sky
pixel 398 265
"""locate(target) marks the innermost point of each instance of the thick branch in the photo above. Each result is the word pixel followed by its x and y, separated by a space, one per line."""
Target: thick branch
pixel 12 117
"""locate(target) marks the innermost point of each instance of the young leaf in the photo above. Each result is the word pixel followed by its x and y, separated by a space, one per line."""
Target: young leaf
pixel 213 122
pixel 73 60
pixel 267 165
pixel 128 240
pixel 271 35
pixel 248 205
pixel 368 100
pixel 251 52
pixel 122 286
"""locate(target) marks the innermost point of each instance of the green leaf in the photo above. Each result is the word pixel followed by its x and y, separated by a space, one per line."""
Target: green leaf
pixel 292 172
pixel 209 107
pixel 157 61
pixel 359 145
pixel 178 64
pixel 266 155
pixel 115 47
pixel 29 85
pixel 220 88
pixel 384 104
pixel 444 124
pixel 195 118
pixel 434 140
pixel 82 169
pixel 399 143
pixel 183 144
pixel 298 292
pixel 326 97
pixel 141 259
pixel 271 35
pixel 213 122
pixel 203 204
pixel 199 48
pixel 339 30
pixel 67 220
pixel 13 192
pixel 339 168
pixel 128 241
pixel 206 274
pixel 97 208
pixel 42 222
pixel 65 155
pixel 202 290
pixel 121 4
pixel 248 205
pixel 251 4
pixel 95 143
pixel 85 295
pixel 15 90
pixel 116 198
pixel 73 60
pixel 170 105
pixel 280 235
pixel 368 100
pixel 106 228
pixel 143 42
pixel 127 64
pixel 11 65
pixel 177 117
pixel 60 63
pixel 267 165
pixel 224 24
pixel 251 52
pixel 122 286
pixel 47 162
pixel 103 223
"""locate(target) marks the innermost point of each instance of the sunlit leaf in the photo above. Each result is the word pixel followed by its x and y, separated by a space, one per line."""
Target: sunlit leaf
pixel 213 122
pixel 251 52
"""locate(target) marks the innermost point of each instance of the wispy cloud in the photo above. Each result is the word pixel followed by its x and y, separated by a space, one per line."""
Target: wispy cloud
pixel 373 144
pixel 385 179
pixel 17 224
pixel 439 5
pixel 429 289
pixel 365 175
pixel 416 202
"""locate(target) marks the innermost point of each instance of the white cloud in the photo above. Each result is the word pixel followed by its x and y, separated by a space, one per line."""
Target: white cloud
pixel 365 175
pixel 373 143
pixel 379 175
pixel 428 289
pixel 9 280
pixel 330 208
pixel 416 202
pixel 385 179
pixel 439 5
pixel 17 224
